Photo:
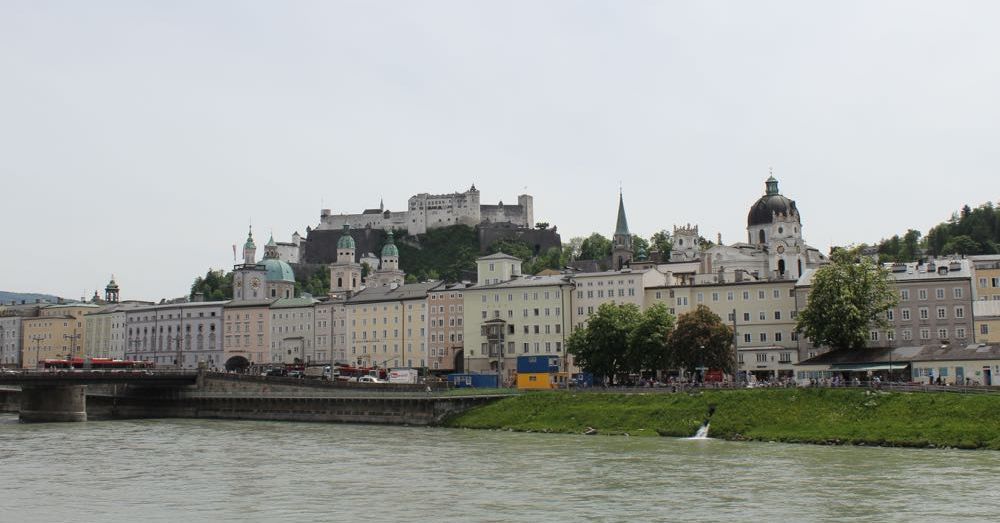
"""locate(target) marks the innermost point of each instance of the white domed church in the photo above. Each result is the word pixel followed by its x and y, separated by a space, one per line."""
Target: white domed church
pixel 774 249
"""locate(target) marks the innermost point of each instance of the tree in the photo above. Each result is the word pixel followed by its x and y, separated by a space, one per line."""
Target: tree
pixel 701 339
pixel 600 346
pixel 648 344
pixel 571 250
pixel 215 286
pixel 961 244
pixel 595 247
pixel 639 242
pixel 515 248
pixel 848 298
pixel 661 242
pixel 316 284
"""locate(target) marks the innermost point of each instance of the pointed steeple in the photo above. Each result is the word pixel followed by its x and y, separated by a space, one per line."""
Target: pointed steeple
pixel 622 226
pixel 249 249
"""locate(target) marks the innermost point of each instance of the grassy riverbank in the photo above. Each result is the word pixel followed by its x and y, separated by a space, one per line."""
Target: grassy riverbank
pixel 823 416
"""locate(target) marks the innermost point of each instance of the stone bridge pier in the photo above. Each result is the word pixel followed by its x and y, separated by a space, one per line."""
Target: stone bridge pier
pixel 48 403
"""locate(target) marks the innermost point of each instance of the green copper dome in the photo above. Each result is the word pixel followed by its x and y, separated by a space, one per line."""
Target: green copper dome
pixel 346 241
pixel 390 250
pixel 278 270
pixel 249 244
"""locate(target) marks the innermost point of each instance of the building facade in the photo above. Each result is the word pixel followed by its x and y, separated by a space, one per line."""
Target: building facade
pixel 388 325
pixel 428 211
pixel 507 315
pixel 57 332
pixel 106 330
pixel 987 318
pixel 446 327
pixel 183 335
pixel 292 333
pixel 247 334
pixel 986 277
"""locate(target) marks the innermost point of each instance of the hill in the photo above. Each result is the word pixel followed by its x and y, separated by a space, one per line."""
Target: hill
pixel 27 297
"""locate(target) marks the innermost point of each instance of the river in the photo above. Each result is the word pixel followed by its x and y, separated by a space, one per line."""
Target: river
pixel 204 470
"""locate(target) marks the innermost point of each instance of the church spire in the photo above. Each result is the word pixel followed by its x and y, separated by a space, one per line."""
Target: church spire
pixel 249 249
pixel 622 226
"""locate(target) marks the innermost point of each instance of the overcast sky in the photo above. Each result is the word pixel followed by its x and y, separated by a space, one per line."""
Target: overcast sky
pixel 140 138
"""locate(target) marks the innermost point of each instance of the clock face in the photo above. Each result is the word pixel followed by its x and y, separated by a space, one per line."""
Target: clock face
pixel 255 283
pixel 781 249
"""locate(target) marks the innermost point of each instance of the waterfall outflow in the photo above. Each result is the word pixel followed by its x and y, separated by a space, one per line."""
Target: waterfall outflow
pixel 702 432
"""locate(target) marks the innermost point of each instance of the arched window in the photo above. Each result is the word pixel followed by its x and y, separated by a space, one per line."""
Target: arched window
pixel 800 267
pixel 761 236
pixel 340 282
pixel 781 266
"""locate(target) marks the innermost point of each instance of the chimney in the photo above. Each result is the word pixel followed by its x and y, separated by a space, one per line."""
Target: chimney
pixel 199 296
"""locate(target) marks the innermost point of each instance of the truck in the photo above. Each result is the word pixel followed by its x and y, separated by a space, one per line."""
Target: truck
pixel 404 376
pixel 318 372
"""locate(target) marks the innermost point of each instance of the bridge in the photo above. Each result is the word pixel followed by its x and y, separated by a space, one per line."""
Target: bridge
pixel 62 395
pixel 76 395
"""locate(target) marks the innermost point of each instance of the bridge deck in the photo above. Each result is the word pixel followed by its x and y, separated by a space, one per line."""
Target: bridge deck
pixel 84 377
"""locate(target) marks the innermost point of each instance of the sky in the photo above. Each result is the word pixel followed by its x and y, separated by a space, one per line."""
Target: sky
pixel 141 138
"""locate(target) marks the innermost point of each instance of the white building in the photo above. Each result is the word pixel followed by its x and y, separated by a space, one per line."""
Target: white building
pixel 177 334
pixel 428 211
pixel 293 336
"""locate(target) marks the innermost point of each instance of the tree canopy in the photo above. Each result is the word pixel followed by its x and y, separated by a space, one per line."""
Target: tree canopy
pixel 621 339
pixel 848 298
pixel 969 231
pixel 595 247
pixel 701 339
pixel 215 286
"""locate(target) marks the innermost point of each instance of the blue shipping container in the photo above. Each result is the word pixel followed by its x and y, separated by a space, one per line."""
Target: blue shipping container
pixel 537 364
pixel 479 381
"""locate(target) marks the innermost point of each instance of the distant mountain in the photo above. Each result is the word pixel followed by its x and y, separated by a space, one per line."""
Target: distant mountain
pixel 27 297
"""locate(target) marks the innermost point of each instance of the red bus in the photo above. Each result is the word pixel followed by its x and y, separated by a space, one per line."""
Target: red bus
pixel 349 373
pixel 95 364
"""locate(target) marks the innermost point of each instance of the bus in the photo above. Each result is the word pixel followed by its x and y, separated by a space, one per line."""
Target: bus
pixel 349 373
pixel 94 364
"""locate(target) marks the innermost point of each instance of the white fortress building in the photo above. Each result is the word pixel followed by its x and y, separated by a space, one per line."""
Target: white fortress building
pixel 428 211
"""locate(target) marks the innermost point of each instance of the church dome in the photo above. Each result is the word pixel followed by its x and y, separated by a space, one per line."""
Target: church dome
pixel 771 203
pixel 278 270
pixel 390 250
pixel 346 241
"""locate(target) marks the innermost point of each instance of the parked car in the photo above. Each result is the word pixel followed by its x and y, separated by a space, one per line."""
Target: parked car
pixel 276 372
pixel 296 374
pixel 370 379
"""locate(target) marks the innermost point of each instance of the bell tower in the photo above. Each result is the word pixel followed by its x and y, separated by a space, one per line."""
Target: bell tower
pixel 621 251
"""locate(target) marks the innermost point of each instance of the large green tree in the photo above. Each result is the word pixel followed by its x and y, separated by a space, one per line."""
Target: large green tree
pixel 848 298
pixel 661 242
pixel 595 247
pixel 649 342
pixel 215 286
pixel 601 344
pixel 701 339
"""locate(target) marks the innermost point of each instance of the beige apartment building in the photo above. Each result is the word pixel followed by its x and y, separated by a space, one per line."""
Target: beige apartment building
pixel 388 325
pixel 446 328
pixel 508 315
pixel 986 277
pixel 618 287
pixel 58 332
pixel 292 330
pixel 247 333
pixel 106 333
pixel 987 318
pixel 762 313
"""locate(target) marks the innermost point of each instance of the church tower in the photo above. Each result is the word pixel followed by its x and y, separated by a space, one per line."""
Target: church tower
pixel 345 274
pixel 621 251
pixel 249 278
pixel 388 272
pixel 111 291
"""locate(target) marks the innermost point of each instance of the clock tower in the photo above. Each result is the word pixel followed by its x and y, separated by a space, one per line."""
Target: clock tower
pixel 250 277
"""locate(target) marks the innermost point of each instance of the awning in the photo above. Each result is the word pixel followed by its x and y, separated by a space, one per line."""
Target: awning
pixel 864 367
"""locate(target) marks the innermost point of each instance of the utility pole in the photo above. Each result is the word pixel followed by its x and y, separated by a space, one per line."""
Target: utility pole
pixel 37 338
pixel 72 344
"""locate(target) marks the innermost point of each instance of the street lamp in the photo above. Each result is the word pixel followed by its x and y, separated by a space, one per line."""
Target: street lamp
pixel 37 338
pixel 72 344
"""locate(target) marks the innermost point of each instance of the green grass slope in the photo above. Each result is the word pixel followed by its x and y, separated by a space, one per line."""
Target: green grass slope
pixel 824 416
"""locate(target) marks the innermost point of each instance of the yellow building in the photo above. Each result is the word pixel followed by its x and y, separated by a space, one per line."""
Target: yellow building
pixel 388 325
pixel 542 380
pixel 508 315
pixel 762 312
pixel 987 317
pixel 986 277
pixel 246 333
pixel 58 332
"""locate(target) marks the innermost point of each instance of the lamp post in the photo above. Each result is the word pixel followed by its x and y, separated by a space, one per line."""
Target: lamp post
pixel 701 368
pixel 37 338
pixel 72 344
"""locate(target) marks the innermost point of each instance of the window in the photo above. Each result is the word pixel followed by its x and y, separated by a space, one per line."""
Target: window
pixel 906 314
pixel 762 358
pixel 715 296
pixel 873 336
pixel 960 333
pixel 984 329
pixel 889 315
pixel 925 334
pixel 729 295
pixel 904 294
pixel 939 293
pixel 959 312
pixel 760 295
pixel 746 295
pixel 777 336
pixel 958 293
pixel 924 313
pixel 907 335
pixel 922 294
pixel 762 316
pixel 763 337
pixel 746 316
pixel 777 293
pixel 942 313
pixel 942 334
pixel 795 336
pixel 747 338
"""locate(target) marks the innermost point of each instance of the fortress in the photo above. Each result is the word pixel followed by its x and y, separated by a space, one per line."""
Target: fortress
pixel 429 211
